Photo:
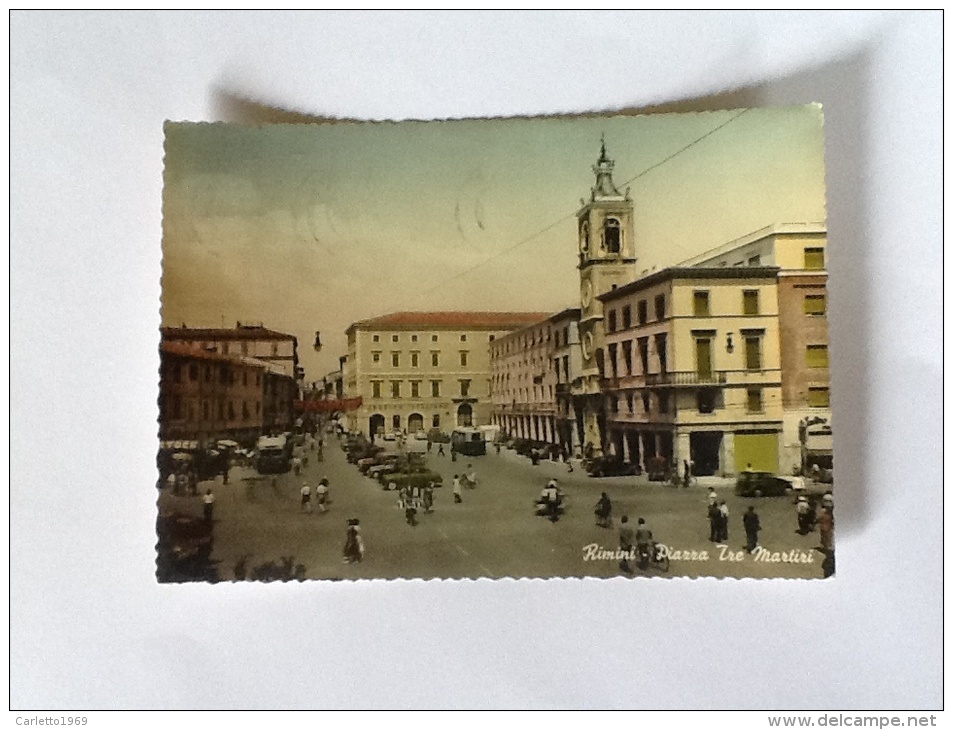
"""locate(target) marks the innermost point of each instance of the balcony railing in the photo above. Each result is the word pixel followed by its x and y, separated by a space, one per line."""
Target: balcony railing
pixel 715 377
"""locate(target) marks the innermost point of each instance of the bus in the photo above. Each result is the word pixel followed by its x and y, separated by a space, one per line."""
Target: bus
pixel 274 454
pixel 468 441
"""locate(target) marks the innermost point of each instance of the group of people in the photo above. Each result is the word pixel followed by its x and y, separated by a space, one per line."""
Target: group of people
pixel 640 542
pixel 460 481
pixel 411 499
pixel 321 496
pixel 717 518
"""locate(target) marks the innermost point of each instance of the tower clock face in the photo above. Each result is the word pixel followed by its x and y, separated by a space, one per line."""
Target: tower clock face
pixel 586 293
pixel 586 345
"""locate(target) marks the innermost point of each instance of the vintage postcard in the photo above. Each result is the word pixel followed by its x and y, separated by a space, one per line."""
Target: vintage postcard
pixel 569 347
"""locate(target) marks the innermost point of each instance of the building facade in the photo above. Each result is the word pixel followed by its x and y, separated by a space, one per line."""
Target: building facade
pixel 693 369
pixel 205 396
pixel 532 370
pixel 246 340
pixel 800 253
pixel 416 371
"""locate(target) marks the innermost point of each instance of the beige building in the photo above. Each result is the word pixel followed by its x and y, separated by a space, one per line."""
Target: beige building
pixel 692 369
pixel 800 252
pixel 420 370
pixel 532 370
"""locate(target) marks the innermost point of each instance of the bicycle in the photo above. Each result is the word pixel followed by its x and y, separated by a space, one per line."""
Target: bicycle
pixel 653 557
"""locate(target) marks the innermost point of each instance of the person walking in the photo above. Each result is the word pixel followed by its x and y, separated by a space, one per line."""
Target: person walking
pixel 644 543
pixel 457 490
pixel 296 465
pixel 825 524
pixel 409 503
pixel 752 525
pixel 552 500
pixel 626 538
pixel 714 520
pixel 803 509
pixel 428 498
pixel 604 511
pixel 440 451
pixel 471 477
pixel 306 498
pixel 321 493
pixel 688 473
pixel 208 502
pixel 723 522
pixel 353 542
pixel 429 446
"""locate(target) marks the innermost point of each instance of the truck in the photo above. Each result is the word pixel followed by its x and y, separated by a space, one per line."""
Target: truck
pixel 274 454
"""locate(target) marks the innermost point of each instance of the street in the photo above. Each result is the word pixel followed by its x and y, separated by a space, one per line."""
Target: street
pixel 494 533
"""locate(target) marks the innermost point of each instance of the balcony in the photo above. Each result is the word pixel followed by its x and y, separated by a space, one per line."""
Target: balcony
pixel 689 378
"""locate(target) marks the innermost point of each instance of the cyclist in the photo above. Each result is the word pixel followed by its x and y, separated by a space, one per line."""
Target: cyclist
pixel 644 543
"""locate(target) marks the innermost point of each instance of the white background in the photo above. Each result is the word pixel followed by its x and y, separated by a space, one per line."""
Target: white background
pixel 90 628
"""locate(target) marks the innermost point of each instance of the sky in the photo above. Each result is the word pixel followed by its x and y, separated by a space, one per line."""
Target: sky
pixel 311 227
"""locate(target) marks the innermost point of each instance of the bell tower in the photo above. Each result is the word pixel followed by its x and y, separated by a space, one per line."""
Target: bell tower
pixel 606 260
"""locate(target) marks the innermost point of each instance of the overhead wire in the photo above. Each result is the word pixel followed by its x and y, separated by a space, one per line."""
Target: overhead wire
pixel 569 216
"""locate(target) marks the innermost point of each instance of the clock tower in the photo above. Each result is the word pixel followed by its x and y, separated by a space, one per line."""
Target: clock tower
pixel 606 260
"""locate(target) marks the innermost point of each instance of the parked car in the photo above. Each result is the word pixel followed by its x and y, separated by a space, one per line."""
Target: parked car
pixel 607 466
pixel 762 484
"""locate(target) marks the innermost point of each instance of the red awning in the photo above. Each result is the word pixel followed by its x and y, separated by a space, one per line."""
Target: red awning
pixel 328 406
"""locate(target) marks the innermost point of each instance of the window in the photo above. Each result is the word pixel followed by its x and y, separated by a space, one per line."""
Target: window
pixel 231 411
pixel 492 337
pixel 244 348
pixel 395 338
pixel 414 388
pixel 463 338
pixel 257 407
pixel 626 317
pixel 643 312
pixel 395 389
pixel 663 400
pixel 395 359
pixel 644 354
pixel 754 261
pixel 612 361
pixel 464 356
pixel 376 388
pixel 396 421
pixel 208 373
pixel 245 378
pixel 556 340
pixel 703 360
pixel 193 372
pixel 435 388
pixel 223 374
pixel 414 359
pixel 701 304
pixel 819 397
pixel 626 357
pixel 274 349
pixel 646 403
pixel 660 307
pixel 376 356
pixel 436 420
pixel 258 378
pixel 661 349
pixel 815 305
pixel 245 413
pixel 376 338
pixel 753 352
pixel 464 388
pixel 817 356
pixel 413 338
pixel 225 348
pixel 814 258
pixel 749 300
pixel 435 359
pixel 613 235
pixel 755 402
pixel 611 320
pixel 707 400
pixel 221 410
pixel 433 338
